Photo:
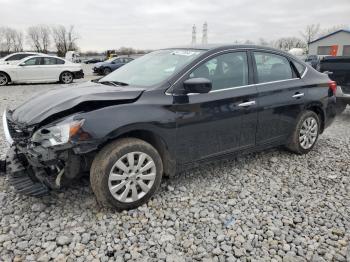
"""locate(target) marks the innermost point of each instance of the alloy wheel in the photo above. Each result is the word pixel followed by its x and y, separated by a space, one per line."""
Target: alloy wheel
pixel 131 177
pixel 67 77
pixel 3 80
pixel 308 133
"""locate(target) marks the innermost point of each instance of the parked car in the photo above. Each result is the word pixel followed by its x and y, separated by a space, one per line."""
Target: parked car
pixel 16 57
pixel 39 69
pixel 92 61
pixel 163 113
pixel 314 61
pixel 108 66
pixel 338 68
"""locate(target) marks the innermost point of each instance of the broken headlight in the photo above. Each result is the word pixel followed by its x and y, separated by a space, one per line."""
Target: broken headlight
pixel 58 134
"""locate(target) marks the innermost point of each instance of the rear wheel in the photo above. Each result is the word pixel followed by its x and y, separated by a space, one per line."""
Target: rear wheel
pixel 305 133
pixel 66 77
pixel 126 173
pixel 4 79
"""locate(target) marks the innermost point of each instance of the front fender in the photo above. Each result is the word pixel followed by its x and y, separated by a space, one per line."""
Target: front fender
pixel 111 122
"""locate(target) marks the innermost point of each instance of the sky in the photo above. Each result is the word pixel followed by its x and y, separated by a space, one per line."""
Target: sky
pixel 152 24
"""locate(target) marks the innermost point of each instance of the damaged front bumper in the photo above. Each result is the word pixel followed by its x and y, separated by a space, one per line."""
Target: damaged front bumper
pixel 34 169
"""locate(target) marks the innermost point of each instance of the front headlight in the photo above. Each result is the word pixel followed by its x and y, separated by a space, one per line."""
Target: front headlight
pixel 58 134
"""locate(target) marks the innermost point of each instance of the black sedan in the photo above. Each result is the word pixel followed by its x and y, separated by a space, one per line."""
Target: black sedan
pixel 162 113
pixel 92 61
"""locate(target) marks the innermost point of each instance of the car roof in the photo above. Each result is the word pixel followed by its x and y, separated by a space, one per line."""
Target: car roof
pixel 219 47
pixel 33 56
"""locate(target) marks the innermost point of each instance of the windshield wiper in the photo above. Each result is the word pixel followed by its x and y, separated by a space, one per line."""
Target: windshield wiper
pixel 113 83
pixel 109 83
pixel 120 83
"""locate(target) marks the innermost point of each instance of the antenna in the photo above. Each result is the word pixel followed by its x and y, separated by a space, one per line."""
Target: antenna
pixel 194 35
pixel 205 34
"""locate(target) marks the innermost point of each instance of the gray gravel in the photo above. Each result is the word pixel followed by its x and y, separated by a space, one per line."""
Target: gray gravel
pixel 269 206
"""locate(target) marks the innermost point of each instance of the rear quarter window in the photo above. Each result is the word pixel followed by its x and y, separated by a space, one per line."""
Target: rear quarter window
pixel 60 61
pixel 300 67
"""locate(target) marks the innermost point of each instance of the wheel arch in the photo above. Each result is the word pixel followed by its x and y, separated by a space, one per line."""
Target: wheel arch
pixel 8 75
pixel 154 139
pixel 318 109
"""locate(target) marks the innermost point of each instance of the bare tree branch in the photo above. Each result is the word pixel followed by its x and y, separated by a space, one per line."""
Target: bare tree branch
pixel 64 39
pixel 39 38
pixel 310 32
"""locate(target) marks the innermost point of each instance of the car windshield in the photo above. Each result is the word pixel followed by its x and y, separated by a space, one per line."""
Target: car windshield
pixel 110 59
pixel 153 68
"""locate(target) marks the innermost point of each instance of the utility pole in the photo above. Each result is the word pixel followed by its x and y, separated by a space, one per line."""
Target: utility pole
pixel 194 35
pixel 205 34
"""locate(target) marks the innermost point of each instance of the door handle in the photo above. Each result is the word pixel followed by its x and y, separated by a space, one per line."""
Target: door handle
pixel 297 95
pixel 245 104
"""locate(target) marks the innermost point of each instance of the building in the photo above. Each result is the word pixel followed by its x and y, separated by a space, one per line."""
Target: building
pixel 335 44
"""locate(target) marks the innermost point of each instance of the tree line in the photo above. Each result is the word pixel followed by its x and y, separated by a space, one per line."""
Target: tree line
pixel 59 38
pixel 41 38
pixel 311 32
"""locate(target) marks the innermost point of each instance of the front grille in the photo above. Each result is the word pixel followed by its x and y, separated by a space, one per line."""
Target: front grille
pixel 16 133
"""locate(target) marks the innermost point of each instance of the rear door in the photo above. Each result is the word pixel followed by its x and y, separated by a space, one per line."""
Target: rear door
pixel 281 96
pixel 52 68
pixel 223 120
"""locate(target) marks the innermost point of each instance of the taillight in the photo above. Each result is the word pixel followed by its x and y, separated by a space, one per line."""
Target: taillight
pixel 333 86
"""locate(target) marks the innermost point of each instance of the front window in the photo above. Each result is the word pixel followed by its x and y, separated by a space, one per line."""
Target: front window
pixel 32 61
pixel 153 68
pixel 224 71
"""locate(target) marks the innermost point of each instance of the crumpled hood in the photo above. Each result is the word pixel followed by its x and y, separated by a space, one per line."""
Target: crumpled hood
pixel 40 107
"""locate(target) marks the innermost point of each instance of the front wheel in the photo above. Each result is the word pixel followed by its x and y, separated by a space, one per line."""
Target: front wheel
pixel 107 71
pixel 305 134
pixel 66 77
pixel 4 79
pixel 126 173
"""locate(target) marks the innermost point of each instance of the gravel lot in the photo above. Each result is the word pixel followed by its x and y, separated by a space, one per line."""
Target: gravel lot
pixel 269 206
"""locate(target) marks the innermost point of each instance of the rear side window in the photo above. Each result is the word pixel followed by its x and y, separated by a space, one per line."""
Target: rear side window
pixel 49 61
pixel 224 71
pixel 52 61
pixel 271 67
pixel 300 67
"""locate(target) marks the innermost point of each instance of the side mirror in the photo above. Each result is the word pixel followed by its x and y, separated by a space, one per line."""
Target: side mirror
pixel 197 85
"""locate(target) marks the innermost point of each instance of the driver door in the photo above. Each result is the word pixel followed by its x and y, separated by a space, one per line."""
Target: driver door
pixel 223 120
pixel 30 70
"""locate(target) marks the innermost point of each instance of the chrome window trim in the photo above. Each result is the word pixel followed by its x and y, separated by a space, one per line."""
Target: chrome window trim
pixel 229 88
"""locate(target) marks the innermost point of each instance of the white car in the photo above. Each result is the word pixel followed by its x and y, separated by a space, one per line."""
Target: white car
pixel 16 57
pixel 40 69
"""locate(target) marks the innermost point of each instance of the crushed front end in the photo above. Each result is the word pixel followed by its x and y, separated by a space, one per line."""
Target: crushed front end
pixel 42 158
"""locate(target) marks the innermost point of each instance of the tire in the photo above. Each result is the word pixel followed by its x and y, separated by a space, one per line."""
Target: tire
pixel 66 77
pixel 340 107
pixel 4 79
pixel 116 189
pixel 309 124
pixel 107 71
